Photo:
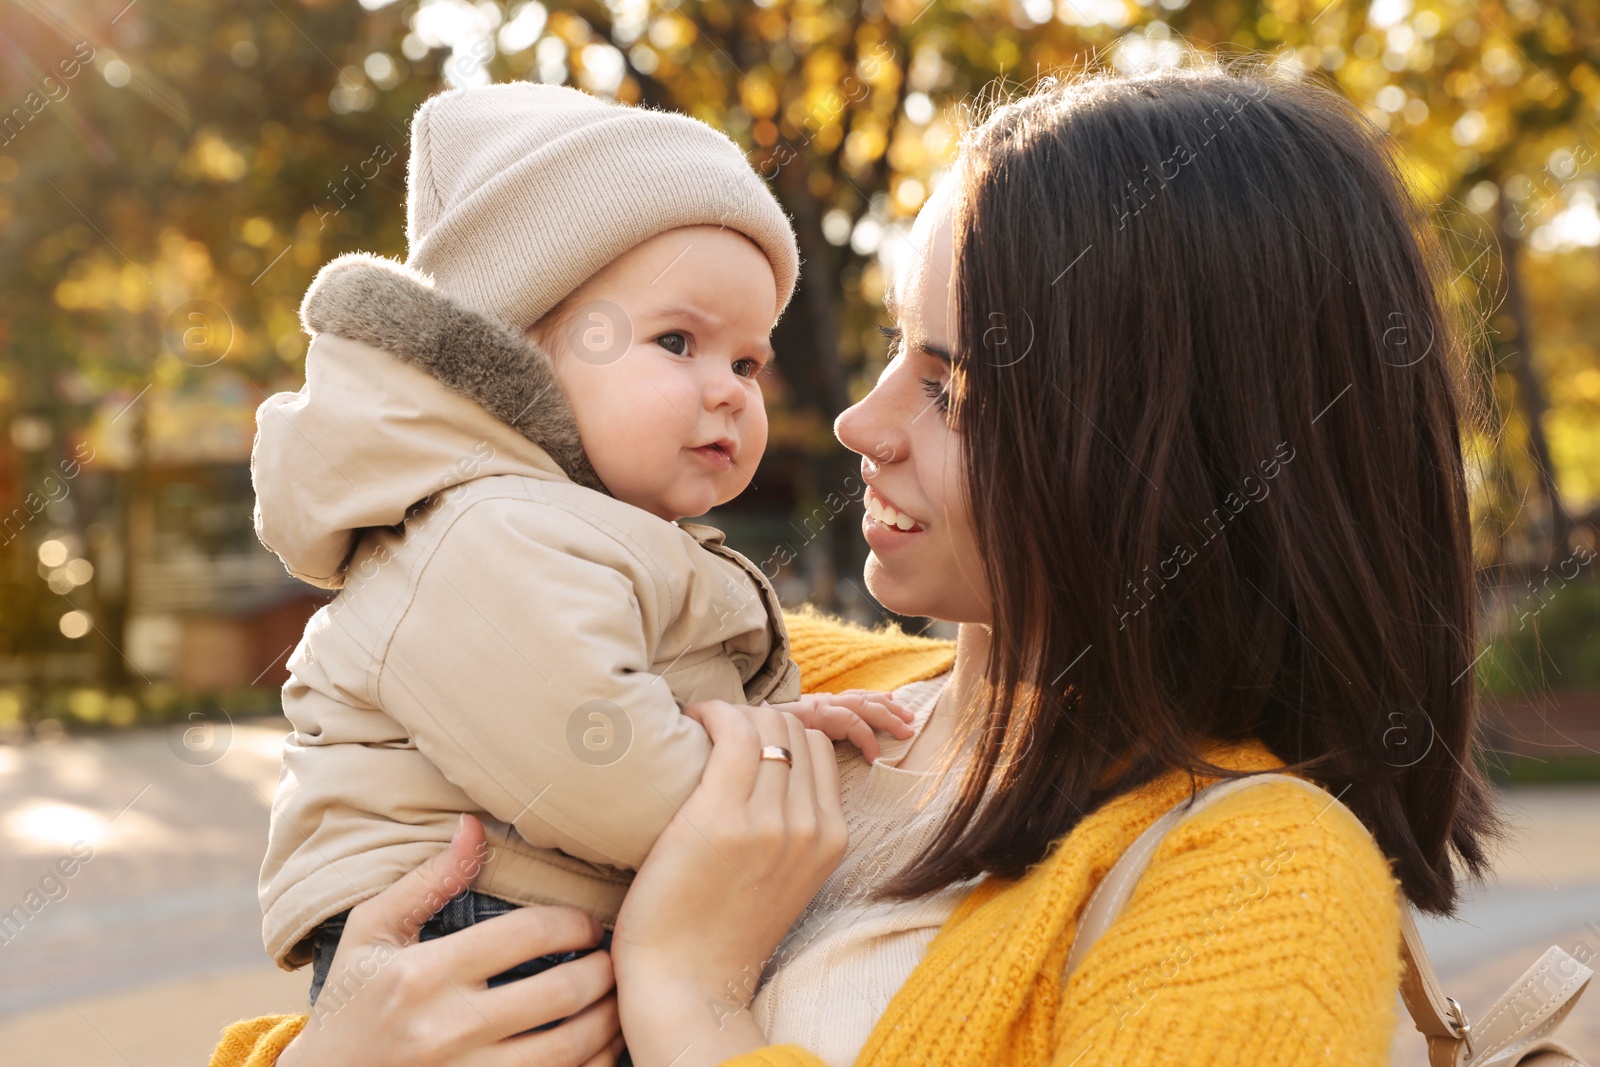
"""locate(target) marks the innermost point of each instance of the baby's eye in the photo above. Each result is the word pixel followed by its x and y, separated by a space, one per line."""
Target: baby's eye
pixel 752 368
pixel 676 343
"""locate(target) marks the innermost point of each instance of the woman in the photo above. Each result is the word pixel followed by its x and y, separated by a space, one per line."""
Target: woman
pixel 1173 407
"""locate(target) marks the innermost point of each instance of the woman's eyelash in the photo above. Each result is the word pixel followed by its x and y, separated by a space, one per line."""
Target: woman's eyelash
pixel 936 391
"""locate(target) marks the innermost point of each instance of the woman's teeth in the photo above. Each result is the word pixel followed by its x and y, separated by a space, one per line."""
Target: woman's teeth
pixel 884 514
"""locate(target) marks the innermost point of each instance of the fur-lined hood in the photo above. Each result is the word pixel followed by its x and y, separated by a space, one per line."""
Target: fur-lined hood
pixel 388 305
pixel 408 392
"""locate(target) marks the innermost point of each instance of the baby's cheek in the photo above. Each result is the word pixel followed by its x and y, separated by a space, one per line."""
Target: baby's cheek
pixel 756 434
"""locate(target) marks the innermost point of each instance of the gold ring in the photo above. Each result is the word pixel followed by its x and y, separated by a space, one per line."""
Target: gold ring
pixel 777 752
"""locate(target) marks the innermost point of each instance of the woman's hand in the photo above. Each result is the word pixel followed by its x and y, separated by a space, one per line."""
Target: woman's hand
pixel 722 885
pixel 392 1000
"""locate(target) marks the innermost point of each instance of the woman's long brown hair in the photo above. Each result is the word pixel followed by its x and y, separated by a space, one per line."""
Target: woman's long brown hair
pixel 1207 387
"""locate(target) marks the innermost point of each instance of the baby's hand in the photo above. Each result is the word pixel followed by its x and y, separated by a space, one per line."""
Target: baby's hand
pixel 853 715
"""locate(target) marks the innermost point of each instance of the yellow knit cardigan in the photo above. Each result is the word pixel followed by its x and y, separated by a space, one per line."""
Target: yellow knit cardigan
pixel 1265 931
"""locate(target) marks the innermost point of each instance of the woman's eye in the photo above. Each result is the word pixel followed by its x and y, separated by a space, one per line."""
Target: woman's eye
pixel 676 343
pixel 937 393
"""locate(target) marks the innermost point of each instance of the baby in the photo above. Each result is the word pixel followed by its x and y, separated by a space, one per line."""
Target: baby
pixel 489 459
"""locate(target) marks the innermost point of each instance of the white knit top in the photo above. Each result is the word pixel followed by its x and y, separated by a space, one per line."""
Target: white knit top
pixel 845 958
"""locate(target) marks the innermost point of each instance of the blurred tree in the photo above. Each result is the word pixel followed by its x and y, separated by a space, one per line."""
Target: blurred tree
pixel 166 203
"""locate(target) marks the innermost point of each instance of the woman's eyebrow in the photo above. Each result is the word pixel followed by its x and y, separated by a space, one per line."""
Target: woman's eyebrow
pixel 894 333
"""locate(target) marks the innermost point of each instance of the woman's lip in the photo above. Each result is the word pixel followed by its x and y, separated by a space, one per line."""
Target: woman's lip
pixel 873 495
pixel 881 538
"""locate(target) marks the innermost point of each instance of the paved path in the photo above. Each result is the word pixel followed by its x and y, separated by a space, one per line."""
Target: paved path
pixel 1546 891
pixel 153 943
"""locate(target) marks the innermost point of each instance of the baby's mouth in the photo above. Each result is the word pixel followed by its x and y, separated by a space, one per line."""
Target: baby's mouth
pixel 718 453
pixel 886 515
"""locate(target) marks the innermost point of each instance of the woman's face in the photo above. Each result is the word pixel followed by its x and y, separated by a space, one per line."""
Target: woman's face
pixel 924 558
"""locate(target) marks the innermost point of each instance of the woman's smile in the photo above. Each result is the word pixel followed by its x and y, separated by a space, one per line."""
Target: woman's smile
pixel 880 512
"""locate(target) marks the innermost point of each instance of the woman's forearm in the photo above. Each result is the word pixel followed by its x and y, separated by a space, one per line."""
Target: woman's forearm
pixel 733 869
pixel 686 1026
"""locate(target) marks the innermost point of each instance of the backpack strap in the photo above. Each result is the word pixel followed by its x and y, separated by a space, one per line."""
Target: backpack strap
pixel 1518 1026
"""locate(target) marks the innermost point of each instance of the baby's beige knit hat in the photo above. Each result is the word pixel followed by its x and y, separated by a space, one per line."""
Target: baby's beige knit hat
pixel 518 193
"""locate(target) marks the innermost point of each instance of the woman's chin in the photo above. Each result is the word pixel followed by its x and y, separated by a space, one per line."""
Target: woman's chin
pixel 894 592
pixel 907 587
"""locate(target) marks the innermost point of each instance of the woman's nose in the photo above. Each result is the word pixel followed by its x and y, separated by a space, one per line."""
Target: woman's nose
pixel 869 429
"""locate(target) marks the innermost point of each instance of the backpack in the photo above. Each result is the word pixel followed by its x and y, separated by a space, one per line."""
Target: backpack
pixel 1515 1032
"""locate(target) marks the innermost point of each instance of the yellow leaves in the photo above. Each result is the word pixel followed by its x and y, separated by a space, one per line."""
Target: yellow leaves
pixel 1484 128
pixel 757 95
pixel 576 31
pixel 256 231
pixel 1426 181
pixel 1289 10
pixel 1362 78
pixel 1502 63
pixel 864 145
pixel 824 69
pixel 901 12
pixel 670 32
pixel 909 193
pixel 943 140
pixel 213 158
pixel 1586 81
pixel 877 65
pixel 821 108
pixel 808 29
pixel 1541 88
pixel 771 24
pixel 828 138
pixel 908 154
pixel 103 283
pixel 185 263
pixel 1464 85
pixel 1557 34
pixel 1574 443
